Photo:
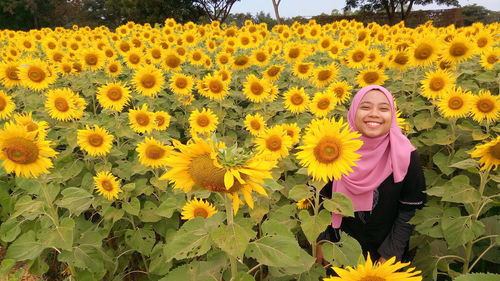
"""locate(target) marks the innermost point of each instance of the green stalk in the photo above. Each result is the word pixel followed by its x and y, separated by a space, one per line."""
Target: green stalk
pixel 315 213
pixel 230 220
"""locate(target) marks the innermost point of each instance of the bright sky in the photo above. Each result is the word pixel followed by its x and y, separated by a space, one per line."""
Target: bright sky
pixel 307 8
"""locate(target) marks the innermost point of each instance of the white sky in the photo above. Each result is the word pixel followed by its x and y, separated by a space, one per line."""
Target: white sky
pixel 307 8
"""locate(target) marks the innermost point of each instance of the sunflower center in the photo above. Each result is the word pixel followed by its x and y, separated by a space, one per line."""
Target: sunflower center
pixel 401 59
pixel 371 77
pixel 31 127
pixel 148 81
pixel 423 51
pixel 155 152
pixel 358 56
pixel 91 59
pixel 491 59
pixel 51 45
pixel 142 119
pixel 223 59
pixel 66 68
pixel 57 57
pixel 21 150
pixel 297 99
pixel 208 176
pixel 334 50
pixel 273 143
pixel 12 73
pixel 125 47
pixel 436 84
pixel 241 60
pixel 107 185
pixel 181 82
pixel 196 56
pixel 134 59
pixel 215 86
pixel 294 53
pixel 36 74
pixel 172 61
pixel 203 121
pixel 160 120
pixel 273 71
pixel 485 105
pixel 114 94
pixel 113 68
pixel 109 53
pixel 458 49
pixel 261 57
pixel 495 151
pixel 323 103
pixel 3 104
pixel 324 75
pixel 255 125
pixel 339 92
pixel 327 150
pixel 200 212
pixel 257 89
pixel 372 278
pixel 61 104
pixel 455 103
pixel 156 54
pixel 303 68
pixel 481 42
pixel 325 44
pixel 95 140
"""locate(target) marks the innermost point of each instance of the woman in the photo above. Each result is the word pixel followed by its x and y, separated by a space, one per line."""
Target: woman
pixel 386 186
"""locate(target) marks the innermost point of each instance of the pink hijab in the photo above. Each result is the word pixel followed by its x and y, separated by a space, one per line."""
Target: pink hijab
pixel 380 157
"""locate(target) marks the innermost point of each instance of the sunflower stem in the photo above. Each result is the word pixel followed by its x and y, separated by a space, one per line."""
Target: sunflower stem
pixel 230 220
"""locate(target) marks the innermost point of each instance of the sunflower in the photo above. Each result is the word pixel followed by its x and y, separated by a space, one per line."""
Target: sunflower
pixel 172 61
pixel 196 57
pixel 489 154
pixel 455 103
pixel 96 141
pixel 213 87
pixel 36 75
pixel 489 58
pixel 458 50
pixel 241 62
pixel 198 163
pixel 197 208
pixel 484 40
pixel 261 57
pixel 113 68
pixel 114 96
pixel 296 100
pixel 274 142
pixel 65 67
pixel 9 74
pixel 389 270
pixel 64 104
pixel 303 70
pixel 203 122
pixel 92 59
pixel 273 72
pixel 7 106
pixel 436 83
pixel 295 52
pixel 357 57
pixel 26 120
pixel 292 130
pixel 341 91
pixel 148 80
pixel 423 52
pixel 322 103
pixel 371 77
pixel 398 59
pixel 255 89
pixel 485 106
pixel 304 203
pixel 255 124
pixel 141 120
pixel 181 84
pixel 162 120
pixel 107 185
pixel 223 59
pixel 329 149
pixel 134 59
pixel 23 153
pixel 224 74
pixel 153 153
pixel 322 76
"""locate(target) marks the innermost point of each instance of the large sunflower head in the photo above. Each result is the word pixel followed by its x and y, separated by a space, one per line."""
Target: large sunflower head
pixel 23 153
pixel 255 89
pixel 323 76
pixel 274 142
pixel 485 106
pixel 424 51
pixel 162 120
pixel 148 80
pixel 341 91
pixel 39 127
pixel 63 104
pixel 7 106
pixel 92 59
pixel 36 75
pixel 296 100
pixel 114 96
pixel 203 122
pixel 357 57
pixel 107 185
pixel 141 120
pixel 213 87
pixel 303 70
pixel 489 58
pixel 197 208
pixel 9 74
pixel 255 124
pixel 329 149
pixel 181 84
pixel 172 61
pixel 322 103
pixel 458 49
pixel 113 68
pixel 455 103
pixel 153 153
pixel 436 83
pixel 292 130
pixel 371 77
pixel 489 154
pixel 95 141
pixel 273 72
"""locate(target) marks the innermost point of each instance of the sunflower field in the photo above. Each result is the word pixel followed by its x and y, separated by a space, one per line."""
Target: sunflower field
pixel 197 152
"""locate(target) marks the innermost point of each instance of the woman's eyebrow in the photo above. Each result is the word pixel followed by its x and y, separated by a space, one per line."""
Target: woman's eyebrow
pixel 369 102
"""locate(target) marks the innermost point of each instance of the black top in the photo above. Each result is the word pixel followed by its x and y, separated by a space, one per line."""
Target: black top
pixel 385 231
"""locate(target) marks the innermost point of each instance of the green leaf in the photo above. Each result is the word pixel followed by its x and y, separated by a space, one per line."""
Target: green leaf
pixel 442 161
pixel 89 257
pixel 346 252
pixel 200 270
pixel 169 206
pixel 243 276
pixel 148 212
pixel 26 247
pixel 478 277
pixel 465 164
pixel 280 251
pixel 60 237
pixel 133 207
pixel 478 134
pixel 9 230
pixel 141 240
pixel 423 121
pixel 485 77
pixel 428 221
pixel 300 192
pixel 75 199
pixel 233 238
pixel 312 226
pixel 459 191
pixel 27 207
pixel 285 214
pixel 457 229
pixel 272 227
pixel 272 184
pixel 6 265
pixel 158 264
pixel 340 204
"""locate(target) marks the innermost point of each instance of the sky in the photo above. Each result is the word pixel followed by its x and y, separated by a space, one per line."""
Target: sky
pixel 308 8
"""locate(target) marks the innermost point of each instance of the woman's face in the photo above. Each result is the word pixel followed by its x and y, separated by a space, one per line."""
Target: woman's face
pixel 373 117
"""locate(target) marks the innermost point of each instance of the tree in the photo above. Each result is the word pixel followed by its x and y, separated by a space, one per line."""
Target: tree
pixel 216 9
pixel 475 13
pixel 392 7
pixel 276 5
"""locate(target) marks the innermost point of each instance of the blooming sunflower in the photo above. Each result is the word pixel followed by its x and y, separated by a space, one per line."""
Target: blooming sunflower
pixel 7 106
pixel 141 120
pixel 389 270
pixel 489 58
pixel 114 96
pixel 303 70
pixel 153 153
pixel 64 104
pixel 322 103
pixel 23 153
pixel 223 59
pixel 322 76
pixel 255 89
pixel 162 120
pixel 26 119
pixel 213 87
pixel 436 83
pixel 36 75
pixel 371 77
pixel 455 103
pixel 113 68
pixel 107 185
pixel 458 49
pixel 341 91
pixel 255 124
pixel 329 149
pixel 485 106
pixel 197 208
pixel 96 141
pixel 423 52
pixel 357 57
pixel 203 122
pixel 8 74
pixel 292 130
pixel 92 59
pixel 489 154
pixel 274 142
pixel 148 80
pixel 273 72
pixel 296 100
pixel 181 84
pixel 241 62
pixel 304 203
pixel 198 163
